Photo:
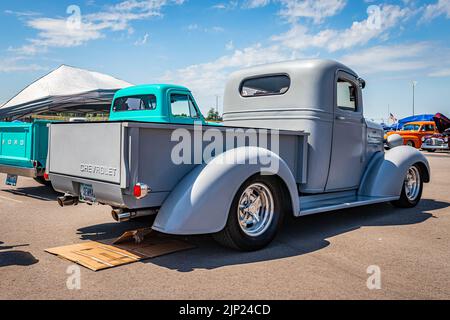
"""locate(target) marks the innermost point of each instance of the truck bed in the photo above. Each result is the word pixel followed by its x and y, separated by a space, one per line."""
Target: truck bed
pixel 23 148
pixel 113 156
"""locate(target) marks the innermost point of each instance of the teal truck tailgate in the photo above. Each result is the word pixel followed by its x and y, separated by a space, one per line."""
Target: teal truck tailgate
pixel 23 147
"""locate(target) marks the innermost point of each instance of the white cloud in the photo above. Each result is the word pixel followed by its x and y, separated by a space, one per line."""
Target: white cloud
pixel 251 4
pixel 192 27
pixel 317 10
pixel 396 58
pixel 143 41
pixel 440 73
pixel 17 64
pixel 441 7
pixel 230 45
pixel 230 5
pixel 62 32
pixel 206 80
pixel 22 13
pixel 360 33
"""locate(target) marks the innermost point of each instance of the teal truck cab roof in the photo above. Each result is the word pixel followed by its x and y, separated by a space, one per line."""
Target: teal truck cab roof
pixel 161 103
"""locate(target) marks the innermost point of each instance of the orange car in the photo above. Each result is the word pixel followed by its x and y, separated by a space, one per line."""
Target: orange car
pixel 413 132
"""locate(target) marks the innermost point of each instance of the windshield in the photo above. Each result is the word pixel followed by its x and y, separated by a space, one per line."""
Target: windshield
pixel 411 127
pixel 140 102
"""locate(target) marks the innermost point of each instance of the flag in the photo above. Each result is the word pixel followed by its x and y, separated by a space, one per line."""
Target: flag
pixel 393 118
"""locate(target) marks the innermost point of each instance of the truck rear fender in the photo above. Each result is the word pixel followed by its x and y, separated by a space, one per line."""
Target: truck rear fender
pixel 201 201
pixel 386 172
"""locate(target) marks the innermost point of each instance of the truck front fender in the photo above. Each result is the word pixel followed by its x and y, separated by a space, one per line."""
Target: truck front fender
pixel 385 174
pixel 201 201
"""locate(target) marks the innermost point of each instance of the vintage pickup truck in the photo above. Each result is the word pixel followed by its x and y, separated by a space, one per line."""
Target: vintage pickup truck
pixel 23 150
pixel 319 155
pixel 24 146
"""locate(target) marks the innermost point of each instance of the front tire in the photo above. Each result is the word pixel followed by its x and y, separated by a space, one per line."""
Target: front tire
pixel 255 216
pixel 412 189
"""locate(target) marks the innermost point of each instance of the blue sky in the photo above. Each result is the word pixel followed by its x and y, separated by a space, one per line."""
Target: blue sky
pixel 197 43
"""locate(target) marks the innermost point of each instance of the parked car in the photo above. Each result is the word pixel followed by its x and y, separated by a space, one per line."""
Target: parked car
pixel 25 145
pixel 329 156
pixel 438 141
pixel 413 132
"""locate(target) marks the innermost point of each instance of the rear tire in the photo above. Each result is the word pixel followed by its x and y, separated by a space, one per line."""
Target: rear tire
pixel 255 216
pixel 431 150
pixel 412 189
pixel 410 143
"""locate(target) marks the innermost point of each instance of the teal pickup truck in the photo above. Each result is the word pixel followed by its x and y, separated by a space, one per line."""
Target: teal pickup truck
pixel 23 150
pixel 24 146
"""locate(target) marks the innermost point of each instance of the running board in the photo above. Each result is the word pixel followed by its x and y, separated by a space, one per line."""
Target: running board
pixel 308 207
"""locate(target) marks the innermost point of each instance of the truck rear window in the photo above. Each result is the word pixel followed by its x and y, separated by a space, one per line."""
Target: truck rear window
pixel 132 103
pixel 265 86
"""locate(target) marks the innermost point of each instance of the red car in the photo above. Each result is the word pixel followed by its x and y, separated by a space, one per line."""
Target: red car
pixel 438 141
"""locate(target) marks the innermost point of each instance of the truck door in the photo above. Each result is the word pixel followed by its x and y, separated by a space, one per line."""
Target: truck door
pixel 347 159
pixel 183 108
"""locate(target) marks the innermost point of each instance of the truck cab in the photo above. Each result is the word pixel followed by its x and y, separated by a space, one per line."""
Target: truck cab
pixel 321 97
pixel 160 103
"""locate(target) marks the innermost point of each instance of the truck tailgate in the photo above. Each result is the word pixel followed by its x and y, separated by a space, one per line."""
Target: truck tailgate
pixel 16 146
pixel 87 150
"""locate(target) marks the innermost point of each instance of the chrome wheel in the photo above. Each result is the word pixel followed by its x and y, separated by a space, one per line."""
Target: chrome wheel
pixel 412 183
pixel 256 209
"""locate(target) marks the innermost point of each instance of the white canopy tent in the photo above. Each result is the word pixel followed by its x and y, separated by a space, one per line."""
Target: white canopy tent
pixel 64 89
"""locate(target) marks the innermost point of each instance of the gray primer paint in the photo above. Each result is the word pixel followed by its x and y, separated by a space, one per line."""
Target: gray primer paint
pixel 196 199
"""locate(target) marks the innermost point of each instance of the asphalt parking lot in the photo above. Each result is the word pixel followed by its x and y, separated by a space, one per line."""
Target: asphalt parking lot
pixel 318 257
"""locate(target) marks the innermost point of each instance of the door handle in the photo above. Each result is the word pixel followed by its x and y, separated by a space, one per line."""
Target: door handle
pixel 340 118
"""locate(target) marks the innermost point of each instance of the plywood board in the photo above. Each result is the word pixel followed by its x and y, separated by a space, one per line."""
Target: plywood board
pixel 104 255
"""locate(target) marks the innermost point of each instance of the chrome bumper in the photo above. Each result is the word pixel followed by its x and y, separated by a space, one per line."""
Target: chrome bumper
pixel 23 172
pixel 431 147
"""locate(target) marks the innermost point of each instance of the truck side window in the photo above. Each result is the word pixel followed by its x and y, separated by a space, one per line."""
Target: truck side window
pixel 183 106
pixel 347 95
pixel 133 103
pixel 265 86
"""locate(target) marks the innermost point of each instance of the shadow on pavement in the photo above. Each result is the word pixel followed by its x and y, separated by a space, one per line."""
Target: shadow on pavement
pixel 43 193
pixel 15 258
pixel 11 247
pixel 298 236
pixel 109 230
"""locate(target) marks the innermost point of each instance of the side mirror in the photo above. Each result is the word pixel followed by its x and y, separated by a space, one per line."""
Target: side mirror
pixel 394 141
pixel 362 83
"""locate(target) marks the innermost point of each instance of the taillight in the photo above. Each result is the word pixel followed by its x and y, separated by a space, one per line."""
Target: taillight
pixel 46 176
pixel 140 191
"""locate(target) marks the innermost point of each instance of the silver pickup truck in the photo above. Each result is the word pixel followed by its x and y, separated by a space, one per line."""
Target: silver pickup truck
pixel 318 155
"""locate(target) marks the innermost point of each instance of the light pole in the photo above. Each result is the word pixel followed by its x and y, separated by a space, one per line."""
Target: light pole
pixel 217 106
pixel 414 84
